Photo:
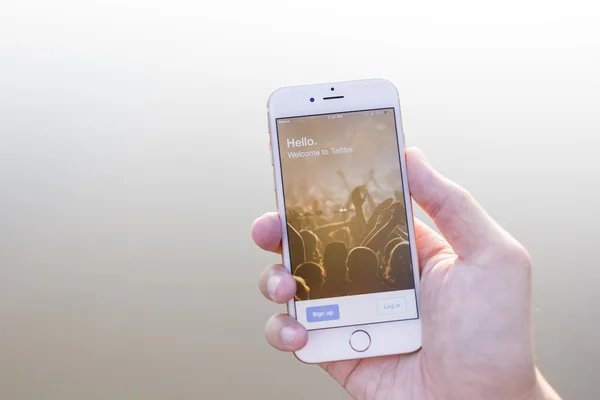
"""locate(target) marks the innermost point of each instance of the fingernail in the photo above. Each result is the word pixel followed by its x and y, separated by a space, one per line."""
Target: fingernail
pixel 288 334
pixel 272 284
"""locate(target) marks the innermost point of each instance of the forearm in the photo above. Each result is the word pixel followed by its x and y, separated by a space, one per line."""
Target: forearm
pixel 370 228
pixel 371 202
pixel 360 220
pixel 377 240
pixel 368 237
pixel 327 229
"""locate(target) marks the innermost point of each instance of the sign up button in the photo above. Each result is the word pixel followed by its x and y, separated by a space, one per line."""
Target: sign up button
pixel 392 306
pixel 323 313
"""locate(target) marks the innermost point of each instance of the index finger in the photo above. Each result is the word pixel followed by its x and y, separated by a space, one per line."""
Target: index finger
pixel 460 219
pixel 266 232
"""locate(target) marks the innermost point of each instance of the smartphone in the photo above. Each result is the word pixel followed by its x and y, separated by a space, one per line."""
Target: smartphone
pixel 346 216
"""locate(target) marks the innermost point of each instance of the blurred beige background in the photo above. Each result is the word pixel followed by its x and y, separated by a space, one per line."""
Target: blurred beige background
pixel 133 159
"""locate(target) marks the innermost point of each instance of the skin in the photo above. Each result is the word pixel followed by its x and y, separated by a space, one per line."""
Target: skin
pixel 475 301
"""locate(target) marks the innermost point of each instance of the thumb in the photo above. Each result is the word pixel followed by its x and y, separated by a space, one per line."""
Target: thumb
pixel 460 219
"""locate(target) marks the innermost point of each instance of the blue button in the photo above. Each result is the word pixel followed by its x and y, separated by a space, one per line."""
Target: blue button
pixel 323 313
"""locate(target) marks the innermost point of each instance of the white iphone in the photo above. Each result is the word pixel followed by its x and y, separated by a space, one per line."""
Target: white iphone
pixel 346 216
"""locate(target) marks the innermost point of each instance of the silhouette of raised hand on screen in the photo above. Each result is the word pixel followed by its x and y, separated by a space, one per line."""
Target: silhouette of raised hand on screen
pixel 358 199
pixel 379 209
pixel 390 219
pixel 475 306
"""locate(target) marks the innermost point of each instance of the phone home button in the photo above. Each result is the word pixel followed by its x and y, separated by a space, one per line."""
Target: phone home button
pixel 360 341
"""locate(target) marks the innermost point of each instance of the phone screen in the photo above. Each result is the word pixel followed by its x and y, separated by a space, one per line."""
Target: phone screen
pixel 348 238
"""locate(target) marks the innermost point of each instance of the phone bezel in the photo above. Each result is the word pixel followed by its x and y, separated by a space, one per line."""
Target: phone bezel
pixel 332 344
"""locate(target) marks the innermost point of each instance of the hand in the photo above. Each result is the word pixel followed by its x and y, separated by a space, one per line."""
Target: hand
pixel 376 215
pixel 396 205
pixel 475 302
pixel 384 205
pixel 357 198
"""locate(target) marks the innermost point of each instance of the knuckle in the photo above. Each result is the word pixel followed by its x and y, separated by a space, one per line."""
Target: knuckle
pixel 521 256
pixel 455 198
pixel 510 254
pixel 462 195
pixel 270 325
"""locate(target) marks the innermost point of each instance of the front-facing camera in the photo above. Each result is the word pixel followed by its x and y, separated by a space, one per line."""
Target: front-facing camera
pixel 312 99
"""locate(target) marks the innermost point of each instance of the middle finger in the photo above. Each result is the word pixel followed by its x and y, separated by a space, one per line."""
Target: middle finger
pixel 277 284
